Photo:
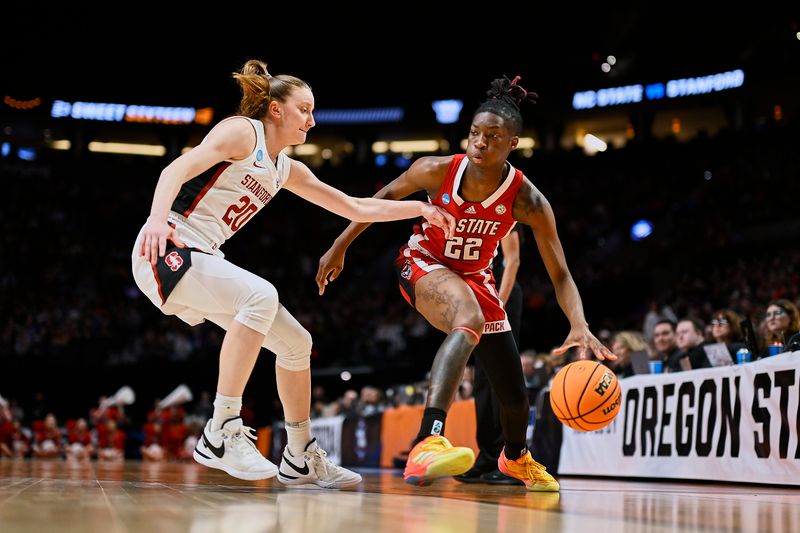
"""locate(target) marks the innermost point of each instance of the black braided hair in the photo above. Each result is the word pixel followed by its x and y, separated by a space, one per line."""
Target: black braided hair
pixel 504 99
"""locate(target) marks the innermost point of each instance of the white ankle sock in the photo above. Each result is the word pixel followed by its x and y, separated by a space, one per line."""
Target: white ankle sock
pixel 298 435
pixel 225 407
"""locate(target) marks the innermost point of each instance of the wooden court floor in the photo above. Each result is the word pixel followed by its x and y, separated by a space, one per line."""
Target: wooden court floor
pixel 41 496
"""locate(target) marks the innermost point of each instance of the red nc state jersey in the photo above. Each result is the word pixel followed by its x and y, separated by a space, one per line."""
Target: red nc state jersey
pixel 479 225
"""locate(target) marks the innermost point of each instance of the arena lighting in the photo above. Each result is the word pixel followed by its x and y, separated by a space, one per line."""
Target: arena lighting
pixel 641 229
pixel 130 113
pixel 526 142
pixel 399 147
pixel 27 153
pixel 592 144
pixel 306 149
pixel 61 144
pixel 10 101
pixel 604 97
pixel 705 84
pixel 424 145
pixel 631 94
pixel 447 111
pixel 359 116
pixel 127 148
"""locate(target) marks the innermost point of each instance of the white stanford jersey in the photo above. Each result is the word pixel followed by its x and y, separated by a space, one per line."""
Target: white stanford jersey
pixel 210 208
pixel 480 226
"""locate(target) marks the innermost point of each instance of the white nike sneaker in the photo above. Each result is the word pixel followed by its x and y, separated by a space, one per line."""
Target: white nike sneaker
pixel 231 449
pixel 314 468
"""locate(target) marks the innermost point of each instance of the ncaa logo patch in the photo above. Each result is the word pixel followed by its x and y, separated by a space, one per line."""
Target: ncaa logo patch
pixel 259 157
pixel 500 209
pixel 406 272
pixel 445 198
pixel 173 261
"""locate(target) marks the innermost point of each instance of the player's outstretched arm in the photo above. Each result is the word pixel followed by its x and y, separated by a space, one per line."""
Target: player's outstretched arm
pixel 422 175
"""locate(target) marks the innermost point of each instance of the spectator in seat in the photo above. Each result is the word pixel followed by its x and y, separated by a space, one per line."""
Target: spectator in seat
pixel 48 443
pixel 666 345
pixel 690 341
pixel 79 441
pixel 112 443
pixel 726 328
pixel 783 321
pixel 625 343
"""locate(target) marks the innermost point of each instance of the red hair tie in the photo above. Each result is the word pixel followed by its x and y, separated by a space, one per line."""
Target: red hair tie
pixel 514 83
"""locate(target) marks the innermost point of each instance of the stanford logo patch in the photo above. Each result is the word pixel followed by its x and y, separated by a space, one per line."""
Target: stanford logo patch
pixel 173 261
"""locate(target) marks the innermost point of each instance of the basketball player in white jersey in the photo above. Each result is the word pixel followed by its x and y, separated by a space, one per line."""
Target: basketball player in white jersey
pixel 202 199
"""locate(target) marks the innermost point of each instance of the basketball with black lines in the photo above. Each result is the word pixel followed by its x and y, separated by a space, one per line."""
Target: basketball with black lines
pixel 585 395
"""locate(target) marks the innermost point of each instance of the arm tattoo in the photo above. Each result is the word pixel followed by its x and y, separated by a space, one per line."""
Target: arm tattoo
pixel 528 203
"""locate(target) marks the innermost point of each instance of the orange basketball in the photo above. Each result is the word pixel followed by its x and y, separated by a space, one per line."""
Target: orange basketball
pixel 585 395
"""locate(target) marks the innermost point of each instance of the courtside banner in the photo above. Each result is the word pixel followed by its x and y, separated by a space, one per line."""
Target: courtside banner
pixel 328 432
pixel 733 423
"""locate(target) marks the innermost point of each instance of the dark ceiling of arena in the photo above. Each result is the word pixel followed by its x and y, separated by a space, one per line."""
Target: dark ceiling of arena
pixel 148 57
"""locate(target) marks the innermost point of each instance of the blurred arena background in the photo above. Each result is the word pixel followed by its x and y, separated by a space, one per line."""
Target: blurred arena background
pixel 667 145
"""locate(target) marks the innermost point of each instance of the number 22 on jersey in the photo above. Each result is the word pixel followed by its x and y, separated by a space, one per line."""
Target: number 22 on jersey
pixel 468 249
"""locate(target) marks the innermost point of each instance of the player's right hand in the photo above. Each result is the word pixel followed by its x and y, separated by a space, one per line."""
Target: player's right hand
pixel 155 235
pixel 580 337
pixel 330 266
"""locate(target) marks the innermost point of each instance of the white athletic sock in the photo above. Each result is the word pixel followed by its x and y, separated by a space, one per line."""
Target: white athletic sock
pixel 225 407
pixel 298 435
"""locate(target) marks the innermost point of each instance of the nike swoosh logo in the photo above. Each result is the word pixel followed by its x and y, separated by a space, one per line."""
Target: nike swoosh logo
pixel 255 164
pixel 302 471
pixel 219 451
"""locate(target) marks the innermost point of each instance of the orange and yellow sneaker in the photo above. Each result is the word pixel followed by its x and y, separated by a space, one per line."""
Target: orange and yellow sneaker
pixel 435 457
pixel 529 472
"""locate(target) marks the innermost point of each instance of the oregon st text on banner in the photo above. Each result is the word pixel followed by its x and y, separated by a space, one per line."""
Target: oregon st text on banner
pixel 734 423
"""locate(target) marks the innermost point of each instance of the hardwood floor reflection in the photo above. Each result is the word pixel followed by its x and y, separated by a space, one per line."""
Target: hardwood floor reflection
pixel 135 496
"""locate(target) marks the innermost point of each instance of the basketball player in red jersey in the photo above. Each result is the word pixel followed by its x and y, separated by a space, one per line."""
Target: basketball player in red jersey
pixel 449 282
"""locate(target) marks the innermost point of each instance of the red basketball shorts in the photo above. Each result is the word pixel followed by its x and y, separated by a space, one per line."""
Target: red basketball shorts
pixel 411 265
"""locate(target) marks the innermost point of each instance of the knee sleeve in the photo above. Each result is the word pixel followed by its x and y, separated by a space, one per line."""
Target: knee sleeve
pixel 257 306
pixel 293 351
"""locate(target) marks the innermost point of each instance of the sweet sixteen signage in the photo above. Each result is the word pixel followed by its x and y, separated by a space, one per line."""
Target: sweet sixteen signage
pixel 737 423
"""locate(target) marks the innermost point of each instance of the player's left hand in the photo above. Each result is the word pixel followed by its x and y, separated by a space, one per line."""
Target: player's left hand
pixel 441 218
pixel 586 343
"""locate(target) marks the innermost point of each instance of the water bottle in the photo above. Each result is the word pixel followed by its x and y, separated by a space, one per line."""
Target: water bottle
pixel 743 356
pixel 656 367
pixel 775 348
